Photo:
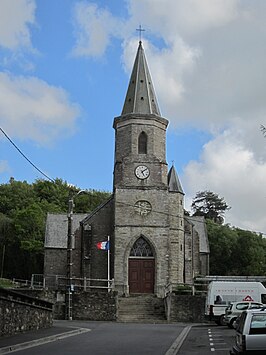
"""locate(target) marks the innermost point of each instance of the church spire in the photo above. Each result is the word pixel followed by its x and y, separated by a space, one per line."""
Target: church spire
pixel 140 96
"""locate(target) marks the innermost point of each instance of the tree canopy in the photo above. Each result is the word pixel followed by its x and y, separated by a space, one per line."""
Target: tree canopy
pixel 209 205
pixel 23 210
pixel 234 251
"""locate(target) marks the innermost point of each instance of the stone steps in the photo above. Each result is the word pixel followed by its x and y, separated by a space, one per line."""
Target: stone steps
pixel 141 308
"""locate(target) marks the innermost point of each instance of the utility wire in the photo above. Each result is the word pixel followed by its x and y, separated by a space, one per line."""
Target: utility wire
pixel 24 156
pixel 159 212
pixel 190 218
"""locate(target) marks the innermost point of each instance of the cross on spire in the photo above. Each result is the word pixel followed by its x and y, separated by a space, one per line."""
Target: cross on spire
pixel 140 30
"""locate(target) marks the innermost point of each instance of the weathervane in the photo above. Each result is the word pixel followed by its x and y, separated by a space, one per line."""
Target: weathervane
pixel 140 30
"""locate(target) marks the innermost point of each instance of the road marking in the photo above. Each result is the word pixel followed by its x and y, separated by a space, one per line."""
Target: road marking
pixel 174 348
pixel 41 341
pixel 216 340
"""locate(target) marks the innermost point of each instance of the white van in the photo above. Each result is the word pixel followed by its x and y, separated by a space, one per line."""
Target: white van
pixel 222 293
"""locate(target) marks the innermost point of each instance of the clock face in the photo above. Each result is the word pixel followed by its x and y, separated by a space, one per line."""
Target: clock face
pixel 142 172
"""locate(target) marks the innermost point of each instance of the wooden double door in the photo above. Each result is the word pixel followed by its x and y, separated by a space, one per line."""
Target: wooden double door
pixel 141 273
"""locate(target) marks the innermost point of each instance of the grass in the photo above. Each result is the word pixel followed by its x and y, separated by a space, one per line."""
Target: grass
pixel 6 283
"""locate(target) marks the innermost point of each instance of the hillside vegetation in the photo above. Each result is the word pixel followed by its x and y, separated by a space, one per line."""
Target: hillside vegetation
pixel 23 210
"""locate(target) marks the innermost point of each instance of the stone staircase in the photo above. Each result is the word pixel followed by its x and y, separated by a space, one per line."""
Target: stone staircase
pixel 141 309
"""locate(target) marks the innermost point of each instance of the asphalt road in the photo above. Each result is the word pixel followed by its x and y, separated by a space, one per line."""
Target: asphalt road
pixel 204 340
pixel 107 338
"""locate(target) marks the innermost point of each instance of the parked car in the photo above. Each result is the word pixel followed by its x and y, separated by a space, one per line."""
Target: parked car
pixel 236 308
pixel 251 333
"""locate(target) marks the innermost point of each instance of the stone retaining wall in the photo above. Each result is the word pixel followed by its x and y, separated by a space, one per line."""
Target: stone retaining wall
pixel 55 297
pixel 186 308
pixel 88 305
pixel 100 306
pixel 19 312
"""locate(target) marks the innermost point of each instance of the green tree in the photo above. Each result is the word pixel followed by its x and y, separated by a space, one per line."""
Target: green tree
pixel 222 242
pixel 6 232
pixel 234 251
pixel 23 208
pixel 15 195
pixel 249 253
pixel 209 205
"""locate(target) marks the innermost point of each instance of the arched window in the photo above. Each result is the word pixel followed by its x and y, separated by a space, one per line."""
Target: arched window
pixel 141 248
pixel 142 143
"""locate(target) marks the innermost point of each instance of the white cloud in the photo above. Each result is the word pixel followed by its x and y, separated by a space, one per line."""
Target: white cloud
pixel 209 73
pixel 187 17
pixel 32 109
pixel 93 29
pixel 4 167
pixel 229 168
pixel 16 17
pixel 214 62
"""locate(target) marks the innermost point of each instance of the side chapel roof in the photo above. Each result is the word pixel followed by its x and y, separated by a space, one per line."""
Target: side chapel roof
pixel 140 97
pixel 57 229
pixel 174 184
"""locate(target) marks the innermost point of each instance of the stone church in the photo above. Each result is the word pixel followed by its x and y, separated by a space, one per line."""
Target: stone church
pixel 152 242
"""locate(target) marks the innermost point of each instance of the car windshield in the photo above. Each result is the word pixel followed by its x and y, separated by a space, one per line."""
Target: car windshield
pixel 242 306
pixel 258 324
pixel 256 305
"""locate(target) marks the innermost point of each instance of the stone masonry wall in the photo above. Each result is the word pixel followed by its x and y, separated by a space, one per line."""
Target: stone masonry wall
pixel 19 313
pixel 57 298
pixel 89 305
pixel 187 308
pixel 94 260
pixel 99 306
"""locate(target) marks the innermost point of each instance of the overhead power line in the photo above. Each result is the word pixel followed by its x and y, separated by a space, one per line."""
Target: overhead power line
pixel 24 156
pixel 191 218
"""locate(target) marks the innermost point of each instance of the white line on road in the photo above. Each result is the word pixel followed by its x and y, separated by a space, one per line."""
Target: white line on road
pixel 173 350
pixel 41 341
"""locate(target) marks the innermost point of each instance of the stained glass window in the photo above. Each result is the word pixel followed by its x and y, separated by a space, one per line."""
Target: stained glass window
pixel 141 248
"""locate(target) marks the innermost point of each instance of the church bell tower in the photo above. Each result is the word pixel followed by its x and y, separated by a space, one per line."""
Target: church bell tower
pixel 148 202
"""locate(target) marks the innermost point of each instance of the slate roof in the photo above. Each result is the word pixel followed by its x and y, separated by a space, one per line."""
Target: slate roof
pixel 174 184
pixel 200 226
pixel 57 227
pixel 140 97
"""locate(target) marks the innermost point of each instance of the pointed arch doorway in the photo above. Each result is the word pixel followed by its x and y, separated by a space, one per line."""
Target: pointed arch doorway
pixel 141 267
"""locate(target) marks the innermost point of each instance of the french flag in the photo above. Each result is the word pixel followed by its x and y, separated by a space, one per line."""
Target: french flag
pixel 103 245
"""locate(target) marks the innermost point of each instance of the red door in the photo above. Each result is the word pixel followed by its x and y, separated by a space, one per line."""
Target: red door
pixel 141 275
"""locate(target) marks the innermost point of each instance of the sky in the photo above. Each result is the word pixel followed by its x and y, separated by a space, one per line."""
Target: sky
pixel 64 72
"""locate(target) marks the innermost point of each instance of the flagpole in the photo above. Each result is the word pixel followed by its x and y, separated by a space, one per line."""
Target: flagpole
pixel 108 262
